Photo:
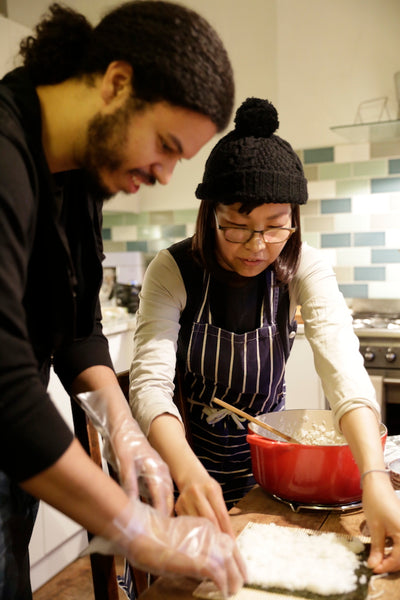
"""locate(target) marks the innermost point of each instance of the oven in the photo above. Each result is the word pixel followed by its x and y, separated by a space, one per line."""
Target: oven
pixel 377 326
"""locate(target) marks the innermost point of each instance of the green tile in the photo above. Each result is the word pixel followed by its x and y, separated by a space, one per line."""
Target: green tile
pixel 106 233
pixel 115 219
pixel 136 246
pixel 185 216
pixel 109 246
pixel 394 166
pixel 351 187
pixel 319 155
pixel 370 168
pixel 334 171
pixel 143 218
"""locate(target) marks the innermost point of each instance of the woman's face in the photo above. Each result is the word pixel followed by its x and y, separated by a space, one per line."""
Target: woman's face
pixel 250 258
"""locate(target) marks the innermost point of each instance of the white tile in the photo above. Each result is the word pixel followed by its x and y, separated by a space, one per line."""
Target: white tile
pixel 392 272
pixel 392 238
pixel 359 257
pixel 350 223
pixel 130 273
pixel 388 221
pixel 313 239
pixel 394 201
pixel 123 258
pixel 352 152
pixel 371 204
pixel 384 290
pixel 124 233
pixel 330 256
pixel 321 189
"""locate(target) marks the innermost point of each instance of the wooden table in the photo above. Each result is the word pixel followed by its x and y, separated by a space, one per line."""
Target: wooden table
pixel 258 507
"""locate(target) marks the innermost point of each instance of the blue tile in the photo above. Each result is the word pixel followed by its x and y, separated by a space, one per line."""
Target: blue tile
pixel 387 255
pixel 335 240
pixel 319 155
pixel 385 184
pixel 352 290
pixel 394 166
pixel 369 274
pixel 369 238
pixel 136 246
pixel 106 233
pixel 337 205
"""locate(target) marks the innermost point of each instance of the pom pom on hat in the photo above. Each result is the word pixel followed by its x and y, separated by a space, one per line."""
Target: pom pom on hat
pixel 251 162
pixel 257 118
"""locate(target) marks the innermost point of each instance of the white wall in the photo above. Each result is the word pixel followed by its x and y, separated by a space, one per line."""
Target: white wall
pixel 332 55
pixel 10 36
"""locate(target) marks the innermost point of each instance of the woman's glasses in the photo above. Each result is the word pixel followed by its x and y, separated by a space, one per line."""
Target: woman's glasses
pixel 242 235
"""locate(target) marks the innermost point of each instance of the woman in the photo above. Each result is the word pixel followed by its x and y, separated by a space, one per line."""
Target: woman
pixel 222 306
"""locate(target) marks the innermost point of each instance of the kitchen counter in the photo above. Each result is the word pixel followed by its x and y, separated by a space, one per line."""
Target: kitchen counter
pixel 259 507
pixel 117 320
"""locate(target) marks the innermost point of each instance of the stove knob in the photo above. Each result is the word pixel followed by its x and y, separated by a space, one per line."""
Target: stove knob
pixel 390 355
pixel 369 355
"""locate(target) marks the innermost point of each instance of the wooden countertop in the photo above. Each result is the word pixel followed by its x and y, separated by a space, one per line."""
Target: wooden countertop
pixel 258 507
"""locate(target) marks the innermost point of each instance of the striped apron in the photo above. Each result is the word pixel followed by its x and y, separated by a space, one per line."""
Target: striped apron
pixel 246 370
pixel 243 369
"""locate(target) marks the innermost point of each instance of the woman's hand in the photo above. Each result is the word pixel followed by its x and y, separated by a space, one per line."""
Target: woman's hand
pixel 382 512
pixel 201 495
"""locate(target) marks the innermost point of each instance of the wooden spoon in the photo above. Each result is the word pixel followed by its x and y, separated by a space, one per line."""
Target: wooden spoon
pixel 241 413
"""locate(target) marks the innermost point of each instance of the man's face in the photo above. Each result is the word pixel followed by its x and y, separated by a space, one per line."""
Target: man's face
pixel 129 146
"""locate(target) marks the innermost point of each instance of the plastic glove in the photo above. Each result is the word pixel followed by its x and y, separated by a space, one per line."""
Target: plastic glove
pixel 140 468
pixel 169 546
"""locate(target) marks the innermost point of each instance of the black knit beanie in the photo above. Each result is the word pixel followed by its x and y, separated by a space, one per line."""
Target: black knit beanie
pixel 251 162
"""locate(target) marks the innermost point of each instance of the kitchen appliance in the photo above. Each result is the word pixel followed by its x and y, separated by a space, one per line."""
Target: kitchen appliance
pixel 309 474
pixel 377 325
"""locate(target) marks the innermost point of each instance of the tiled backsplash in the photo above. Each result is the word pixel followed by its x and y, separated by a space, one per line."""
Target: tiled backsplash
pixel 353 215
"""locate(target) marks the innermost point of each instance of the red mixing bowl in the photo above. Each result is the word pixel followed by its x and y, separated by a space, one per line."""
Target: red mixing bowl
pixel 308 474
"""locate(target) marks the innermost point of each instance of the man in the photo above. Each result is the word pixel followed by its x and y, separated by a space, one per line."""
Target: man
pixel 92 111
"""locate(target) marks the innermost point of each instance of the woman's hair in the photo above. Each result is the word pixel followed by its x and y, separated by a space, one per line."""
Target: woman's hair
pixel 204 240
pixel 175 54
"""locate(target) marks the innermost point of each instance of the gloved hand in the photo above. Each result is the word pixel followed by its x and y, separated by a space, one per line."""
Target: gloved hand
pixel 168 546
pixel 140 468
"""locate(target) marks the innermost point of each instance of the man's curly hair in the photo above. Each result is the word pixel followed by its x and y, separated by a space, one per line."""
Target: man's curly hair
pixel 175 54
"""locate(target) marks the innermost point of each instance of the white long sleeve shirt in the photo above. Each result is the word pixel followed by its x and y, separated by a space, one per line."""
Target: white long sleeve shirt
pixel 327 326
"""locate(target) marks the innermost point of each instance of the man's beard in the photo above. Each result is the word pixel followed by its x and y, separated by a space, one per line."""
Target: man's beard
pixel 106 137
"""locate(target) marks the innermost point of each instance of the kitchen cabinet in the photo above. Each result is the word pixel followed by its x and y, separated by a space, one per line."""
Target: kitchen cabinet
pixel 303 385
pixel 57 540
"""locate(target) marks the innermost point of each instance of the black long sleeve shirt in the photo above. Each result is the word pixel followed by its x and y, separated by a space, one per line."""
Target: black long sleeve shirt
pixel 50 276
